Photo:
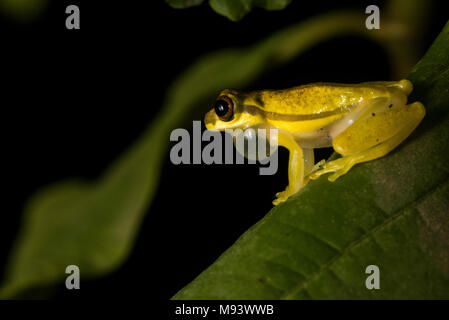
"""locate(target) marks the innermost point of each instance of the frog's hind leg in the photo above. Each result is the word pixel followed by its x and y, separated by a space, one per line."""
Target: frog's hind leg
pixel 372 138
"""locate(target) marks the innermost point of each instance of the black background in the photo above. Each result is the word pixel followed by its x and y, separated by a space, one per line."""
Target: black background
pixel 73 100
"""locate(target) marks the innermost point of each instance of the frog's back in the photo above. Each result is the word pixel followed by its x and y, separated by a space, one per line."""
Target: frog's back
pixel 315 99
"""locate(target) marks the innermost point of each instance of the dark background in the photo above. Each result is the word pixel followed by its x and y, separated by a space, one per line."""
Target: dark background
pixel 73 100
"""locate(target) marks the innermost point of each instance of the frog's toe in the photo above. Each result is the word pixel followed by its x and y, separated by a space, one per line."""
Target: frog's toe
pixel 343 170
pixel 315 175
pixel 317 166
pixel 337 175
pixel 277 201
pixel 339 167
pixel 331 166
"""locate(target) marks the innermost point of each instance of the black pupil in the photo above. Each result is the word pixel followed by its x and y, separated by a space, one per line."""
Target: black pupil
pixel 221 108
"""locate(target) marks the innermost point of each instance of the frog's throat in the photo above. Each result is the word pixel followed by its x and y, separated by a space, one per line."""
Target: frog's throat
pixel 253 110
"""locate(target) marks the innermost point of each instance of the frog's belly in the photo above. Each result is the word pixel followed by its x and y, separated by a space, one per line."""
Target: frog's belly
pixel 314 133
pixel 324 136
pixel 320 138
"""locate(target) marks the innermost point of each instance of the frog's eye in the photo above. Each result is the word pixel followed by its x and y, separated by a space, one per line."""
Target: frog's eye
pixel 224 108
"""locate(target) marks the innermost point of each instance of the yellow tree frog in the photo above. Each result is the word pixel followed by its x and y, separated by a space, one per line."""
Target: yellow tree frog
pixel 361 122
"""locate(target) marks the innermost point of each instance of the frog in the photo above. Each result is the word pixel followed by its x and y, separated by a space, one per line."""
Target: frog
pixel 361 122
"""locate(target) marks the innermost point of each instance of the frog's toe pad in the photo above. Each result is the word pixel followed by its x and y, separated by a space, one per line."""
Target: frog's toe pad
pixel 337 175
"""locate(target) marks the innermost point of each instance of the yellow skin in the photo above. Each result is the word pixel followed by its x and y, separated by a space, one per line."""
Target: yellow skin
pixel 362 122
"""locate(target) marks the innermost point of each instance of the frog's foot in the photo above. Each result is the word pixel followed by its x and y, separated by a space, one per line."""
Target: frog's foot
pixel 288 192
pixel 339 166
pixel 283 196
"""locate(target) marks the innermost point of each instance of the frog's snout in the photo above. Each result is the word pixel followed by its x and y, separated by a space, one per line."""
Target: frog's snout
pixel 209 120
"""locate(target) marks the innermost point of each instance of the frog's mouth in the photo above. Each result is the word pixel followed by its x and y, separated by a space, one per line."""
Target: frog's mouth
pixel 210 119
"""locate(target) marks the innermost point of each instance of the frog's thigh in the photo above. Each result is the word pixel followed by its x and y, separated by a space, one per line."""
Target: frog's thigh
pixel 372 138
pixel 298 160
pixel 404 85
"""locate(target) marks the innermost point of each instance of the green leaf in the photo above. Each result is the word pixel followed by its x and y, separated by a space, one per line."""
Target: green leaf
pixel 92 224
pixel 234 9
pixel 392 212
pixel 180 4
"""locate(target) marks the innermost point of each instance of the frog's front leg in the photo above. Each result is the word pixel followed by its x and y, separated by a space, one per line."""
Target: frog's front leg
pixel 372 137
pixel 300 162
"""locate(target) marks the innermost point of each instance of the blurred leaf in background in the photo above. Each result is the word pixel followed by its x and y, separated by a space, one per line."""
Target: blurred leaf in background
pixel 392 213
pixel 234 10
pixel 22 10
pixel 182 4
